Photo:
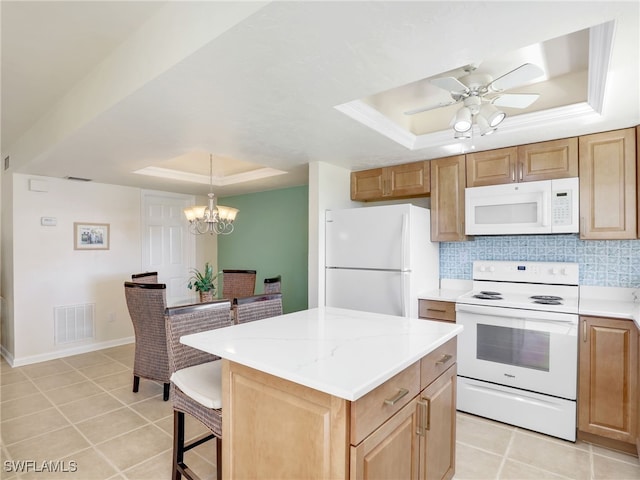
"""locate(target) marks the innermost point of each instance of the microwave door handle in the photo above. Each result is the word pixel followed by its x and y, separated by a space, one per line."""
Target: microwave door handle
pixel 545 210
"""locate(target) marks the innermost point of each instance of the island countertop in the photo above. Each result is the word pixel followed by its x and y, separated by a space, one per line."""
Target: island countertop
pixel 345 353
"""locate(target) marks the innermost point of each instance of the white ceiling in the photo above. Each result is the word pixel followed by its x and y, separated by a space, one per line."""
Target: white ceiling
pixel 103 89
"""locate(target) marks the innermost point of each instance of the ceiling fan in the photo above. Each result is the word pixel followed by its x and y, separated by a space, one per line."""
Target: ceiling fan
pixel 480 95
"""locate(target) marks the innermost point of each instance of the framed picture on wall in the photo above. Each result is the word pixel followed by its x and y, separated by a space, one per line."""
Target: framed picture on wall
pixel 90 236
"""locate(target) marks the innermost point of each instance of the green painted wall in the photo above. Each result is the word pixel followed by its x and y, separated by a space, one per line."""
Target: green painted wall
pixel 271 237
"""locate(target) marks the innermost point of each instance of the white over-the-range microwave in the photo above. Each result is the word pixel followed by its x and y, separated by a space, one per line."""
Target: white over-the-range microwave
pixel 547 206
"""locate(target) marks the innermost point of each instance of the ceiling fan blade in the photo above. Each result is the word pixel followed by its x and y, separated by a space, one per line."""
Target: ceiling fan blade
pixel 515 100
pixel 521 75
pixel 430 107
pixel 450 84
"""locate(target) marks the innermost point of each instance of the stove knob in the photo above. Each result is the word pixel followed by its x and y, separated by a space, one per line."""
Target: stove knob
pixel 492 269
pixel 554 271
pixel 563 271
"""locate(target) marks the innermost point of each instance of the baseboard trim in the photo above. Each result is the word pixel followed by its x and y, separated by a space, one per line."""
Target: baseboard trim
pixel 67 352
pixel 619 445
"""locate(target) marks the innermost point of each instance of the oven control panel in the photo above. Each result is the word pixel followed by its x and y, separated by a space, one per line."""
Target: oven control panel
pixel 531 272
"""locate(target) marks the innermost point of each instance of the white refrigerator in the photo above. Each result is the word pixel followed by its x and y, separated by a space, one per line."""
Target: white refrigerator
pixel 379 259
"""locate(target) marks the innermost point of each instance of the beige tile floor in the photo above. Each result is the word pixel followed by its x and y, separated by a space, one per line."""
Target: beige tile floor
pixel 81 409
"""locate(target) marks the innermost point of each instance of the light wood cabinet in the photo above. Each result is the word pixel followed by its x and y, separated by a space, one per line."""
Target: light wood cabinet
pixel 377 406
pixel 638 205
pixel 392 451
pixel 264 416
pixel 608 193
pixel 439 436
pixel 608 388
pixel 405 428
pixel 447 199
pixel 398 181
pixel 492 167
pixel 437 310
pixel 524 163
pixel 416 443
pixel 638 400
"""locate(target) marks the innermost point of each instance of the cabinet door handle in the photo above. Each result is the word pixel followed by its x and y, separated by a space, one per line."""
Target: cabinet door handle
pixel 521 170
pixel 393 400
pixel 427 427
pixel 441 310
pixel 513 173
pixel 422 413
pixel 444 359
pixel 584 330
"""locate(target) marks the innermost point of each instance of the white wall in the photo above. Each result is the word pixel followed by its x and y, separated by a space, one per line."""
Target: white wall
pixel 48 272
pixel 6 272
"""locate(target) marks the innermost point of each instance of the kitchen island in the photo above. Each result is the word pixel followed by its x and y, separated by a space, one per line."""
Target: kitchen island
pixel 334 393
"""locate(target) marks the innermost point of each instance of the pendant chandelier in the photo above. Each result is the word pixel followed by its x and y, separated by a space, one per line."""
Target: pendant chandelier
pixel 211 218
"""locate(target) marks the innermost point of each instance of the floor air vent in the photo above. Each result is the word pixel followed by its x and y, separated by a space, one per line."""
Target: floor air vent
pixel 73 322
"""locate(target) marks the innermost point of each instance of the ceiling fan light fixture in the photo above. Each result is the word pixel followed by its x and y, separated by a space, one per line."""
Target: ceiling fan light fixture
pixel 462 135
pixel 492 115
pixel 463 120
pixel 483 125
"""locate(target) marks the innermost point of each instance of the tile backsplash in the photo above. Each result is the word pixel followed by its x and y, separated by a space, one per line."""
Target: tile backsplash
pixel 607 263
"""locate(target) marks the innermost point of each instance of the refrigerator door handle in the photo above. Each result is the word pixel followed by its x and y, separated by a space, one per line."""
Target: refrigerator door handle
pixel 404 275
pixel 404 248
pixel 404 278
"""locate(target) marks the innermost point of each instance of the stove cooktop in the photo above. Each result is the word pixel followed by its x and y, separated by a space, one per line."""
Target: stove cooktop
pixel 543 286
pixel 566 302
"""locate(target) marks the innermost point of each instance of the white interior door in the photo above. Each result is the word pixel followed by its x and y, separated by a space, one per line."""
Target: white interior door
pixel 167 245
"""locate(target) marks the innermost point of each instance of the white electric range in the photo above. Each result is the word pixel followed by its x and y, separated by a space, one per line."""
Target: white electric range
pixel 518 353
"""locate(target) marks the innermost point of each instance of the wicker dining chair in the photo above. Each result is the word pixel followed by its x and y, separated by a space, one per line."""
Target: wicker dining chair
pixel 146 277
pixel 238 283
pixel 273 284
pixel 195 379
pixel 257 307
pixel 146 303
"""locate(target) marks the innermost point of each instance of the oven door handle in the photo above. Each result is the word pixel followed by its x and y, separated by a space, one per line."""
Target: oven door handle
pixel 520 314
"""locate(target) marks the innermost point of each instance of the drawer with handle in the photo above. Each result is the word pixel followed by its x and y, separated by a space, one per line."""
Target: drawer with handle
pixel 373 409
pixel 437 362
pixel 437 310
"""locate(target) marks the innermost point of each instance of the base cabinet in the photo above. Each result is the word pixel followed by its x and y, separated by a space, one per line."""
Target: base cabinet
pixel 418 442
pixel 638 401
pixel 439 435
pixel 437 310
pixel 392 451
pixel 608 389
pixel 264 416
pixel 403 429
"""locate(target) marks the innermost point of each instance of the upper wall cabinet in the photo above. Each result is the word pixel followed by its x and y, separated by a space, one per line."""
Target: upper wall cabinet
pixel 398 181
pixel 608 194
pixel 525 163
pixel 447 199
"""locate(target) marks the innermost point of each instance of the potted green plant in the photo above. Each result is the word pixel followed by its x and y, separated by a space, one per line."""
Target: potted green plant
pixel 204 282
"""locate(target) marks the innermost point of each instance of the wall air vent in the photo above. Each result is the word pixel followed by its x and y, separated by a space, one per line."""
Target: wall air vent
pixel 73 323
pixel 6 162
pixel 78 179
